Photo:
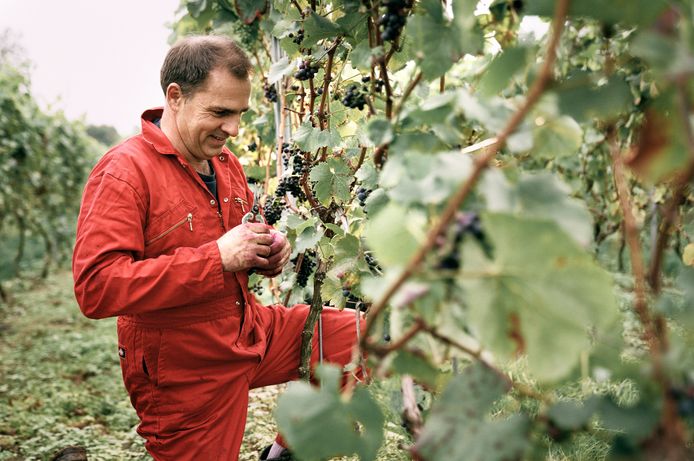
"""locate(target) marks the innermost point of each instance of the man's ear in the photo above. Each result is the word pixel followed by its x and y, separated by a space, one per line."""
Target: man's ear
pixel 174 96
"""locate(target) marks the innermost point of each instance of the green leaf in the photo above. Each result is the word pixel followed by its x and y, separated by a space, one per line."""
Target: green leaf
pixel 638 12
pixel 250 10
pixel 540 281
pixel 332 180
pixel 361 56
pixel 662 148
pixel 584 102
pixel 502 69
pixel 467 31
pixel 539 195
pixel 572 415
pixel 435 46
pixel 380 131
pixel 407 363
pixel 307 239
pixel 196 7
pixel 636 422
pixel 284 27
pixel 458 427
pixel 310 139
pixel 279 69
pixel 367 175
pixel 557 137
pixel 318 423
pixel 388 234
pixel 317 28
pixel 411 178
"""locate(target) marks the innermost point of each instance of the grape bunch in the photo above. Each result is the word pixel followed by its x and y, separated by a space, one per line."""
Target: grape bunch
pixel 355 97
pixel 290 184
pixel 373 264
pixel 257 289
pixel 306 71
pixel 378 83
pixel 308 263
pixel 362 195
pixel 298 37
pixel 465 223
pixel 286 153
pixel 352 301
pixel 295 157
pixel 272 210
pixel 270 92
pixel 252 147
pixel 394 19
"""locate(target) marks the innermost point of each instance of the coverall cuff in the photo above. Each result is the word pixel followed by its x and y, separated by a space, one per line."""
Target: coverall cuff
pixel 211 250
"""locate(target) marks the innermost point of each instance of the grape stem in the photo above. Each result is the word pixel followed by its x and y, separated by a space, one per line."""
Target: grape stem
pixel 481 163
pixel 309 326
pixel 410 87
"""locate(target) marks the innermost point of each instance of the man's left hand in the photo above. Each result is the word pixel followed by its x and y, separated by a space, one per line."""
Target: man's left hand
pixel 278 257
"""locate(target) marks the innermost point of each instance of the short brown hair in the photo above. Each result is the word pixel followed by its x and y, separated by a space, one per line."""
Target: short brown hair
pixel 191 59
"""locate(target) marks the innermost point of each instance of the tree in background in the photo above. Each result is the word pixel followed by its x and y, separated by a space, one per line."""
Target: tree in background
pixel 44 160
pixel 105 134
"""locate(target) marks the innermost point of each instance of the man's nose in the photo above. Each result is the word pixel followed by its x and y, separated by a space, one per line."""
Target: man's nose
pixel 231 127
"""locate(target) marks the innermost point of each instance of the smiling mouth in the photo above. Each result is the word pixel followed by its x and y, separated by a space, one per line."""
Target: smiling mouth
pixel 219 138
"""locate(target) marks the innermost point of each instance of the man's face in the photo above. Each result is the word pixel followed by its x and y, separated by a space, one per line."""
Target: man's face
pixel 211 114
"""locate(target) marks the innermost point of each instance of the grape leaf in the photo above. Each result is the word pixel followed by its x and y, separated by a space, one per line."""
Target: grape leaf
pixel 435 45
pixel 458 427
pixel 390 237
pixel 310 139
pixel 502 69
pixel 380 131
pixel 467 31
pixel 557 137
pixel 540 195
pixel 279 69
pixel 539 281
pixel 318 423
pixel 417 366
pixel 572 415
pixel 250 10
pixel 331 180
pixel 583 101
pixel 317 28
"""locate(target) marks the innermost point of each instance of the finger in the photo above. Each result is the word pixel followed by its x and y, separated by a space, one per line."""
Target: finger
pixel 258 228
pixel 262 239
pixel 263 250
pixel 260 264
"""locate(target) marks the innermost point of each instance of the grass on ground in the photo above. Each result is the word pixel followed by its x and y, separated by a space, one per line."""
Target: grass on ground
pixel 61 385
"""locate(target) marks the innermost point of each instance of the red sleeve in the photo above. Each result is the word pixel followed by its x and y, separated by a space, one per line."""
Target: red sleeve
pixel 111 276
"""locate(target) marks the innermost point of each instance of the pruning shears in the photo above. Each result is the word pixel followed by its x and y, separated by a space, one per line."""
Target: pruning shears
pixel 254 215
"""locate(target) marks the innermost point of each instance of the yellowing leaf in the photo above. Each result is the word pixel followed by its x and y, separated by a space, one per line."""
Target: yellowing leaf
pixel 688 255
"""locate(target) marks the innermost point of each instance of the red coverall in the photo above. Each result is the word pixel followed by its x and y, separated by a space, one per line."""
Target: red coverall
pixel 192 340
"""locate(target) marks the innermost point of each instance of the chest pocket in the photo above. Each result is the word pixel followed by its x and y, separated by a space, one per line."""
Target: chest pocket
pixel 239 205
pixel 172 229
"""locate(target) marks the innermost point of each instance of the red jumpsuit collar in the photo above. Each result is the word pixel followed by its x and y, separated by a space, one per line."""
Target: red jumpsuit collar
pixel 153 134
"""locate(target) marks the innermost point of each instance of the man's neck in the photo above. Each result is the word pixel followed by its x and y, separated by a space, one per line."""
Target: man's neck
pixel 170 130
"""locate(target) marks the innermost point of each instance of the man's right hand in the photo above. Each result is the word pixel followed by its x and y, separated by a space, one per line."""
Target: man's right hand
pixel 245 246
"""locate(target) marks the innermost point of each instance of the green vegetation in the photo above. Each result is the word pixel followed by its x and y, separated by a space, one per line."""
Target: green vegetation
pixel 44 161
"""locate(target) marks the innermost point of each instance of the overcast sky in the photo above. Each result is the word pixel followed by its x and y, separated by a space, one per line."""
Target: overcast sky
pixel 95 59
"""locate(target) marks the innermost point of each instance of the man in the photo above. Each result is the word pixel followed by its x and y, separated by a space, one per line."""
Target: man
pixel 160 244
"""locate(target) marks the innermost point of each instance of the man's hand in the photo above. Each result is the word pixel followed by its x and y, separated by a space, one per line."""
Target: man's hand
pixel 246 246
pixel 278 257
